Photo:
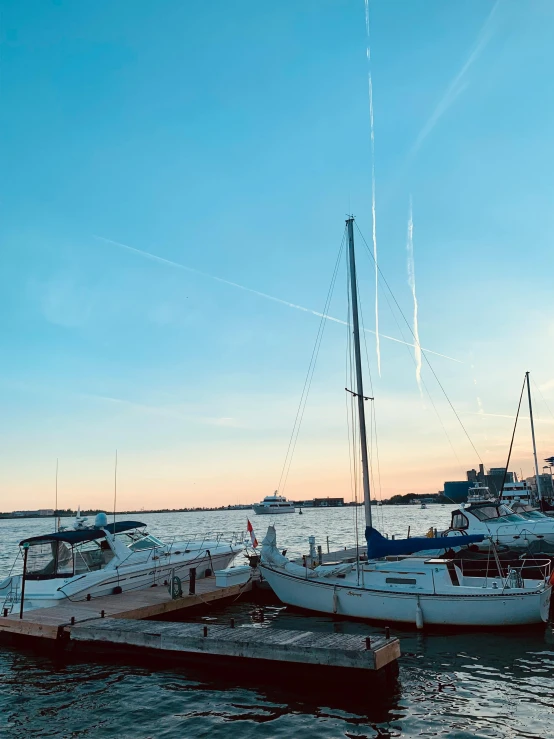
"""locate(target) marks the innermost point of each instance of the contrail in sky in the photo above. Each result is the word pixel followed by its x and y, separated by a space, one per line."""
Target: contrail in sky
pixel 458 83
pixel 184 267
pixel 374 231
pixel 411 282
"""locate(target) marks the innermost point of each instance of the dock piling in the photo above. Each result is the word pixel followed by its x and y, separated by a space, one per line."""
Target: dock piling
pixel 192 581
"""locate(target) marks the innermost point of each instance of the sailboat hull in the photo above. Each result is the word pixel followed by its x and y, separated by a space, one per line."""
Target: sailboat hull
pixel 503 609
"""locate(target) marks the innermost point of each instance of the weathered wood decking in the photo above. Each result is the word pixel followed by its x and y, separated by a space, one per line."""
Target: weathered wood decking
pixel 50 623
pixel 277 645
pixel 118 622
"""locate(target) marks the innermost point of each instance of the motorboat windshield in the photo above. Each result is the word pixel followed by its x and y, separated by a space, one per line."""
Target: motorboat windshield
pixel 67 553
pixel 136 540
pixel 496 513
pixel 527 511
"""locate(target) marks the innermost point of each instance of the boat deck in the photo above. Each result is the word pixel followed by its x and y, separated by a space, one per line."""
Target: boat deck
pixel 339 555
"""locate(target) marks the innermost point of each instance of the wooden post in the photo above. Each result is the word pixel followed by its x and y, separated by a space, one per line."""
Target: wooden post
pixel 192 581
pixel 319 554
pixel 25 552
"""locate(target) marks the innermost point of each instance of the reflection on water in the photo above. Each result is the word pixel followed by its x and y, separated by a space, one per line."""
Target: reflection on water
pixel 450 684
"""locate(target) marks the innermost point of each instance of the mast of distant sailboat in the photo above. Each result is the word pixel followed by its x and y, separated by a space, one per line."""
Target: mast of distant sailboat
pixel 359 394
pixel 537 478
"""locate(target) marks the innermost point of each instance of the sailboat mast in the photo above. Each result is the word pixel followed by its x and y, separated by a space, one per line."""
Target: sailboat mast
pixel 539 490
pixel 359 378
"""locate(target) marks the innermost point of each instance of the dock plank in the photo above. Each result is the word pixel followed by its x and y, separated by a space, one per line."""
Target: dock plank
pixel 277 645
pixel 139 604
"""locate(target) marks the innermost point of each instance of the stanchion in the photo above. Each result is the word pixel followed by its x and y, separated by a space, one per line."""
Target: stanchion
pixel 25 553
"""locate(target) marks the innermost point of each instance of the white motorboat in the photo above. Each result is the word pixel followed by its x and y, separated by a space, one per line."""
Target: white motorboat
pixel 274 504
pixel 391 586
pixel 499 524
pixel 479 493
pixel 103 559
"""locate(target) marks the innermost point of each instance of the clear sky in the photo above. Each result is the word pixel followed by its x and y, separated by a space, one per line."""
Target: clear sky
pixel 232 139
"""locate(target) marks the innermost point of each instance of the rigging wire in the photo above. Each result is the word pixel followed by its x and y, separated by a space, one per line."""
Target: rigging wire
pixel 309 376
pixel 423 353
pixel 543 398
pixel 373 419
pixel 348 403
pixel 427 391
pixel 351 411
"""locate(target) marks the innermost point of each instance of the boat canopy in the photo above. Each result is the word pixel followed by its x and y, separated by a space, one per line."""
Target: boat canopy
pixel 378 546
pixel 78 536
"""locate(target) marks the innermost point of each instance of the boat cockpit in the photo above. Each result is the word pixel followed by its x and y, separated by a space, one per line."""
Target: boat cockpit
pixel 65 554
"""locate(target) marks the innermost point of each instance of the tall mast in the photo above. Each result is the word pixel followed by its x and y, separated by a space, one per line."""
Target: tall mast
pixel 539 491
pixel 359 380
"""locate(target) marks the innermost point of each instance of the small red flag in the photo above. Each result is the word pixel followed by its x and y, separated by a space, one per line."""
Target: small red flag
pixel 252 534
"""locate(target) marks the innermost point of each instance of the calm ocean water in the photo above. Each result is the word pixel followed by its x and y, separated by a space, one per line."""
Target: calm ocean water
pixel 450 684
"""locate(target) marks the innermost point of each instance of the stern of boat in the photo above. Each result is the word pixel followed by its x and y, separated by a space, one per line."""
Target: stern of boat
pixel 545 603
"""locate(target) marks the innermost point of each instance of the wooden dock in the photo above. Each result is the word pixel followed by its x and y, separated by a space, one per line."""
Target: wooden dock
pixel 351 651
pixel 118 623
pixel 54 622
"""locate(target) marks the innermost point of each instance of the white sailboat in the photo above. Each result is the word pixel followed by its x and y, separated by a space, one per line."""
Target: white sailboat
pixel 390 584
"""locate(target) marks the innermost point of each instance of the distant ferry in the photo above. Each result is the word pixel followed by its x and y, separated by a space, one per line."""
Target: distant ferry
pixel 517 492
pixel 274 504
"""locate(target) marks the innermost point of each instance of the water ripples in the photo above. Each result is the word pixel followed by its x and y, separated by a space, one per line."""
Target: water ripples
pixel 450 684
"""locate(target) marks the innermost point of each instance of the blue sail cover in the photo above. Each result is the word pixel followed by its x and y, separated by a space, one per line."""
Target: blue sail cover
pixel 378 546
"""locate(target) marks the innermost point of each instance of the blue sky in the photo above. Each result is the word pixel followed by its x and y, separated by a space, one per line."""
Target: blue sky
pixel 233 139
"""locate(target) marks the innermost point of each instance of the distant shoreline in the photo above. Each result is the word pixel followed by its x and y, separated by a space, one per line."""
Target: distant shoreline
pixel 71 514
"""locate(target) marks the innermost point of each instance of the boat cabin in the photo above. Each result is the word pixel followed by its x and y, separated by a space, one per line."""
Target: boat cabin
pixel 275 500
pixel 516 492
pixel 479 493
pixel 490 512
pixel 68 553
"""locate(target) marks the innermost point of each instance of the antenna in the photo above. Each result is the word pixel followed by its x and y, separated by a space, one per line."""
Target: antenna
pixel 115 491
